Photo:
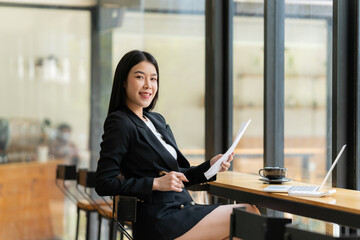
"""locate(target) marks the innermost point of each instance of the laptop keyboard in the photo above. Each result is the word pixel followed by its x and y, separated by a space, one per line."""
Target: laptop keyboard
pixel 303 188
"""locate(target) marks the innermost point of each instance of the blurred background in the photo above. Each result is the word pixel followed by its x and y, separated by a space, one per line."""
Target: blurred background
pixel 52 109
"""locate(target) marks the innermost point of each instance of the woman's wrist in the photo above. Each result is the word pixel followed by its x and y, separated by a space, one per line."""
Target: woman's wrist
pixel 155 184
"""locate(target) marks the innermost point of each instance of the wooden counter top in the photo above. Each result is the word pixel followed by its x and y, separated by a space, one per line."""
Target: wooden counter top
pixel 31 206
pixel 342 207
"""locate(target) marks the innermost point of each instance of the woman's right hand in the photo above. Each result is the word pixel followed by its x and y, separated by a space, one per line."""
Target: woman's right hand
pixel 172 181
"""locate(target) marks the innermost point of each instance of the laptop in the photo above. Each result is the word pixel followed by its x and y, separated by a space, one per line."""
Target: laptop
pixel 306 191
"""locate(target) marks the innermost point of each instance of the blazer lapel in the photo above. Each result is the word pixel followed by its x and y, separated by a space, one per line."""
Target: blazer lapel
pixel 165 131
pixel 152 140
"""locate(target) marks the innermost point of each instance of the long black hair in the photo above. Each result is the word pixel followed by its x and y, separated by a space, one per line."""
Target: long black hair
pixel 118 94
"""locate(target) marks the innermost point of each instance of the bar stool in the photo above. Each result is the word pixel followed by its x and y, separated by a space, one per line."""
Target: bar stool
pixel 293 232
pixel 246 225
pixel 107 213
pixel 66 173
pixel 86 179
pixel 88 208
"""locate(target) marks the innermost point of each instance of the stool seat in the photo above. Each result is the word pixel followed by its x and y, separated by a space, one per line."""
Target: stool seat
pixel 105 211
pixel 101 201
pixel 85 205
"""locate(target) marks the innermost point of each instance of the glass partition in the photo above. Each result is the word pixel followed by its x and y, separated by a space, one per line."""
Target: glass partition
pixel 248 84
pixel 308 33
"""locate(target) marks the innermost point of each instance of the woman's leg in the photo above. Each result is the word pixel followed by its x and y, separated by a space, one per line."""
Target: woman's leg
pixel 215 225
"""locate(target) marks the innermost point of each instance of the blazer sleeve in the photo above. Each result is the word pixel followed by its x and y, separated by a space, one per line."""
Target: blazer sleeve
pixel 118 133
pixel 195 174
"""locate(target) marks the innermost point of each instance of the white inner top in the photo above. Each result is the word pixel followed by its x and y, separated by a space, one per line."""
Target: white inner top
pixel 171 150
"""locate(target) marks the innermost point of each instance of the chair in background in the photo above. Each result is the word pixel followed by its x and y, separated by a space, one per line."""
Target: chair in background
pixel 68 174
pixel 246 225
pixel 103 206
pixel 125 214
pixel 293 232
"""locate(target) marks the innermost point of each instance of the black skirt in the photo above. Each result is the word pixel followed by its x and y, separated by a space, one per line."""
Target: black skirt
pixel 168 216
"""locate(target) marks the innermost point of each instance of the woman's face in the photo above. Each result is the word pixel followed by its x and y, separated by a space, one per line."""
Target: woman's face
pixel 141 86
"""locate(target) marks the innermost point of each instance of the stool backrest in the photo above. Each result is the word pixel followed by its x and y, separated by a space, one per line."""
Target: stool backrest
pixel 293 232
pixel 248 225
pixel 66 172
pixel 125 208
pixel 86 178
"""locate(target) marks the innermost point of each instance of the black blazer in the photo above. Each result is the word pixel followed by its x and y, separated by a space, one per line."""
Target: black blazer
pixel 129 147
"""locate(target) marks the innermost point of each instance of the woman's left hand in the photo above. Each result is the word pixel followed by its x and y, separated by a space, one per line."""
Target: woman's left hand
pixel 224 165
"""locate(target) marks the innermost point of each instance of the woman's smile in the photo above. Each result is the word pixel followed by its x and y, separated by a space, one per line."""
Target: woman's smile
pixel 145 94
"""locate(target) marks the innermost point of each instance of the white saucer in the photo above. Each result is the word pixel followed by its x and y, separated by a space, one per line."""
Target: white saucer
pixel 281 180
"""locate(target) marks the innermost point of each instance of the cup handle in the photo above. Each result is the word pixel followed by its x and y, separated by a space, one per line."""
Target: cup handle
pixel 260 173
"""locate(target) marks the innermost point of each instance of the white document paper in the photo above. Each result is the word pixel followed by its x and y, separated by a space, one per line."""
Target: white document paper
pixel 215 168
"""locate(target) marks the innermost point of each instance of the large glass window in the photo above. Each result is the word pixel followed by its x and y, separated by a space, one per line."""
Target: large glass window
pixel 174 32
pixel 44 117
pixel 45 81
pixel 307 58
pixel 307 123
pixel 248 84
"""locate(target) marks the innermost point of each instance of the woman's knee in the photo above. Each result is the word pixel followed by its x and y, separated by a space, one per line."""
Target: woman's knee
pixel 253 209
pixel 249 208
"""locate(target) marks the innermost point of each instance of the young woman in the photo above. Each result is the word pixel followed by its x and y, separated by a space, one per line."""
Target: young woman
pixel 139 145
